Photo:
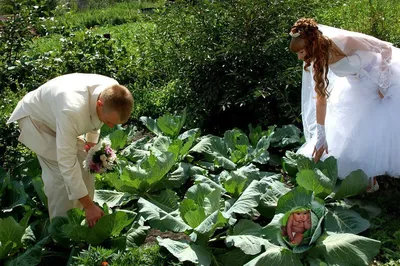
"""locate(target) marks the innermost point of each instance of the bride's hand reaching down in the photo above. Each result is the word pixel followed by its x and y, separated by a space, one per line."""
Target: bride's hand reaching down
pixel 321 144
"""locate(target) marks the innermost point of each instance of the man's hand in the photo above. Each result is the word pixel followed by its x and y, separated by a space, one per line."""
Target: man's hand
pixel 92 211
pixel 93 214
pixel 317 154
pixel 88 145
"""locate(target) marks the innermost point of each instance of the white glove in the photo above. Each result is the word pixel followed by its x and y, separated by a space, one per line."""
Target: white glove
pixel 321 138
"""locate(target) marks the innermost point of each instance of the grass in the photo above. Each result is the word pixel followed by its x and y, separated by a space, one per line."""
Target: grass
pixel 117 14
pixel 378 18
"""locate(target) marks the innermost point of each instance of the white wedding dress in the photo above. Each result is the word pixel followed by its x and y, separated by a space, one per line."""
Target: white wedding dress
pixel 362 129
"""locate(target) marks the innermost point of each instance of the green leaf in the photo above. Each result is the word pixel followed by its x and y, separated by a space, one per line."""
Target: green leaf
pixel 236 181
pixel 318 231
pixel 76 216
pixel 29 237
pixel 109 226
pixel 199 179
pixel 171 125
pixel 297 197
pixel 290 163
pixel 25 220
pixel 237 143
pixel 57 232
pixel 249 199
pixel 341 220
pixel 275 255
pixel 192 213
pixel 112 198
pixel 32 256
pixel 285 136
pixel 316 228
pixel 329 168
pixel 213 202
pixel 345 249
pixel 211 223
pixel 151 125
pixel 198 193
pixel 234 138
pixel 233 183
pixel 355 183
pixel 273 232
pixel 37 183
pixel 137 150
pixel 179 176
pixel 160 219
pixel 5 249
pixel 247 227
pixel 15 196
pixel 118 139
pixel 274 191
pixel 188 137
pixel 316 262
pixel 186 252
pixel 160 144
pixel 136 235
pixel 144 176
pixel 371 208
pixel 167 200
pixel 250 245
pixel 318 207
pixel 255 134
pixel 216 151
pixel 316 181
pixel 260 154
pixel 234 257
pixel 10 231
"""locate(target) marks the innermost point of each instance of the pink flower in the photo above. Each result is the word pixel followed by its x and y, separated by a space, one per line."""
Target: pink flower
pixel 95 167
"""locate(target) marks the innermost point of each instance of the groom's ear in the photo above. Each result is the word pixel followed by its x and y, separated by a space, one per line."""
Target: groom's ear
pixel 99 103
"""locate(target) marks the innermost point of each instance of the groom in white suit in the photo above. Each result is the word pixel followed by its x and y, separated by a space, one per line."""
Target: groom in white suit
pixel 52 121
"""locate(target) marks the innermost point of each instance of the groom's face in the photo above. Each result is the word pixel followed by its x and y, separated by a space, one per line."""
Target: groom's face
pixel 109 117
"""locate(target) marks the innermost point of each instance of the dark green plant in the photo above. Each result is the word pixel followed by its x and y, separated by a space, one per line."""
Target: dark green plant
pixel 146 255
pixel 231 60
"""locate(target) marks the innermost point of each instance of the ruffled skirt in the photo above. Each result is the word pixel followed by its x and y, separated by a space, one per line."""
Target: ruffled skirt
pixel 363 130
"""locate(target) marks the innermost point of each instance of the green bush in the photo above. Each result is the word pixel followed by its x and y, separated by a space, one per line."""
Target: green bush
pixel 231 59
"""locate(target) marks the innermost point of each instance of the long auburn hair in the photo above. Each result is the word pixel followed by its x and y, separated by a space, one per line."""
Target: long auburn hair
pixel 317 47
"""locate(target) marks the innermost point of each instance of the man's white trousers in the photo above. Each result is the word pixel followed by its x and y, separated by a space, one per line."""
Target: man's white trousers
pixel 54 187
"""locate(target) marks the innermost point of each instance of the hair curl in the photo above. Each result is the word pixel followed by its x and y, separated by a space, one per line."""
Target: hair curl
pixel 317 48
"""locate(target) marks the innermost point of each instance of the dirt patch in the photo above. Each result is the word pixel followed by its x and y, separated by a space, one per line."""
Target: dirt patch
pixel 154 233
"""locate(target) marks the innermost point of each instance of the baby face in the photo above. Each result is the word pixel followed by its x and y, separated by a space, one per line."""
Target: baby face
pixel 301 216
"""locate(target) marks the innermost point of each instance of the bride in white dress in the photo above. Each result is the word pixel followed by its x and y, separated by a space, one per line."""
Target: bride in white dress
pixel 350 99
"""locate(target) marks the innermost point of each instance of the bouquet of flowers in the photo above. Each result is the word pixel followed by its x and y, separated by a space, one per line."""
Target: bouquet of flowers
pixel 101 158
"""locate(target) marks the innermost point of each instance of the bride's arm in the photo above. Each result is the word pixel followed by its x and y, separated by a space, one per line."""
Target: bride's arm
pixel 369 43
pixel 321 144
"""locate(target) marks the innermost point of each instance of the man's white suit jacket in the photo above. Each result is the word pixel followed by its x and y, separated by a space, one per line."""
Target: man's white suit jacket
pixel 67 106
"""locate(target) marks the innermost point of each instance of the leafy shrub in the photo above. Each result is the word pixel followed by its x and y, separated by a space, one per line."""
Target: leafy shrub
pixel 231 58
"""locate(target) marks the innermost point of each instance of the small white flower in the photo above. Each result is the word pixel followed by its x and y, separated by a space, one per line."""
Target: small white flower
pixel 105 163
pixel 103 157
pixel 294 35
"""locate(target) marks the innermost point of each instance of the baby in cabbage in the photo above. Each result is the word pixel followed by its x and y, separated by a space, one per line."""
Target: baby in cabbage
pixel 298 222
